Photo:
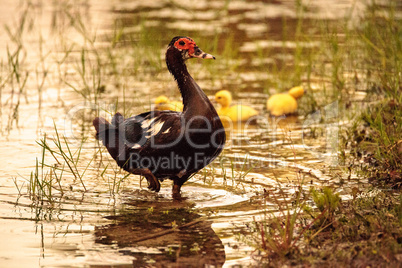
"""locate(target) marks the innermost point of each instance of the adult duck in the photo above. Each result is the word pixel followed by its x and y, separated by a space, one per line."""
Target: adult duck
pixel 235 113
pixel 168 144
pixel 284 103
pixel 163 103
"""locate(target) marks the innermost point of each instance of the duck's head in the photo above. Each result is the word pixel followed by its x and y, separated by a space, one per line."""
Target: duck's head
pixel 296 92
pixel 223 97
pixel 187 48
pixel 161 99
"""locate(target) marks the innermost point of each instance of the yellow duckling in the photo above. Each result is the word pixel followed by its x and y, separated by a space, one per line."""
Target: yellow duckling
pixel 163 103
pixel 284 103
pixel 234 113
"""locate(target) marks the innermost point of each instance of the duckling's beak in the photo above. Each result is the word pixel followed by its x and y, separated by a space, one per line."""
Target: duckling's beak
pixel 198 53
pixel 212 99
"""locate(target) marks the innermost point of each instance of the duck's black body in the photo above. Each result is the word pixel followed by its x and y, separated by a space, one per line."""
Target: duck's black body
pixel 167 144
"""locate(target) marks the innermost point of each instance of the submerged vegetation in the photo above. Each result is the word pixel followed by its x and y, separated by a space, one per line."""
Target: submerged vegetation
pixel 310 222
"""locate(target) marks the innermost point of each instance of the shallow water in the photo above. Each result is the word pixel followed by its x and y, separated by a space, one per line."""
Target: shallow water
pixel 109 222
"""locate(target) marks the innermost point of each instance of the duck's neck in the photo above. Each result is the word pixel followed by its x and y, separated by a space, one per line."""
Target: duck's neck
pixel 194 99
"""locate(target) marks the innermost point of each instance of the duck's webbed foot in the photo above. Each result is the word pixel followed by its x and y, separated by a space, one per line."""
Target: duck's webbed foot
pixel 153 182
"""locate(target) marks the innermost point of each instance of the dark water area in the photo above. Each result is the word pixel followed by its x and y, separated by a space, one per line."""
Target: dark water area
pixel 64 62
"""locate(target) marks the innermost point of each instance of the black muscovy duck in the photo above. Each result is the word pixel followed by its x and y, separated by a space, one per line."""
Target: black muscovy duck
pixel 168 144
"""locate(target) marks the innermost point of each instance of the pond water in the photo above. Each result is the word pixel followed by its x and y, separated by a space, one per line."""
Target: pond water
pixel 62 62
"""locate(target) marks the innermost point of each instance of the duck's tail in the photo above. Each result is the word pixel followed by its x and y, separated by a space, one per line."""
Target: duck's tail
pixel 108 133
pixel 102 126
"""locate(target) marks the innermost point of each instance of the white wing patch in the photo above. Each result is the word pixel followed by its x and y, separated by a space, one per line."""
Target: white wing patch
pixel 166 131
pixel 155 128
pixel 147 123
pixel 135 146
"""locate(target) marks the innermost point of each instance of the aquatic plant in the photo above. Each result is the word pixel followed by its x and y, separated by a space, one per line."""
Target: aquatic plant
pixel 41 182
pixel 17 78
pixel 328 203
pixel 66 159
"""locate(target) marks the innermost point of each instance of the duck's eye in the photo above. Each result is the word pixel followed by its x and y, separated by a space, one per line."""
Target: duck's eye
pixel 219 97
pixel 182 43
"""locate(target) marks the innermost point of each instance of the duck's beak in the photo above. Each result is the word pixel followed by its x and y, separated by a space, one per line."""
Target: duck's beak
pixel 198 53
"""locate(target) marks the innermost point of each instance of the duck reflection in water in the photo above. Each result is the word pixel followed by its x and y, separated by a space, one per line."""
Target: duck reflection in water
pixel 163 235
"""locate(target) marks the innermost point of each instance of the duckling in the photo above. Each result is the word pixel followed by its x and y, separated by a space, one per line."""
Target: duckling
pixel 284 103
pixel 234 113
pixel 163 103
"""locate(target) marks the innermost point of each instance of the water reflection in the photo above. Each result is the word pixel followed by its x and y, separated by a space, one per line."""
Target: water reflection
pixel 163 234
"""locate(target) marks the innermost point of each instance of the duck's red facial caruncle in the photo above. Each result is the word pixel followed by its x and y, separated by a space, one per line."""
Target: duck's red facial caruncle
pixel 185 43
pixel 188 45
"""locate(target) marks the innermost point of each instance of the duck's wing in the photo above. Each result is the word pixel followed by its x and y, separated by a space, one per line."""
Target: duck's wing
pixel 155 128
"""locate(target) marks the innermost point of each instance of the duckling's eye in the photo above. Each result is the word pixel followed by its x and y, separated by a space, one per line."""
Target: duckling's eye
pixel 182 43
pixel 219 97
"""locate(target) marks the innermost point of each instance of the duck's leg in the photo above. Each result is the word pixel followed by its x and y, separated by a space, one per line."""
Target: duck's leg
pixel 178 181
pixel 176 190
pixel 153 182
